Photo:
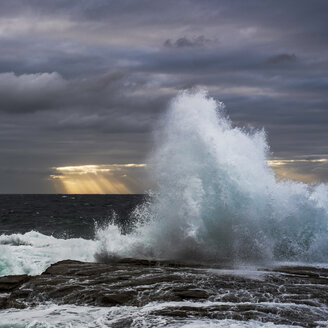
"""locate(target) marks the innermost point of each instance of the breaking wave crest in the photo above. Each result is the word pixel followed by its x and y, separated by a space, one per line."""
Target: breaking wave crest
pixel 33 252
pixel 217 199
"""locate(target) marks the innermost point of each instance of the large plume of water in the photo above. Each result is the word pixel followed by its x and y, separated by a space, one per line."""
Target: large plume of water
pixel 217 199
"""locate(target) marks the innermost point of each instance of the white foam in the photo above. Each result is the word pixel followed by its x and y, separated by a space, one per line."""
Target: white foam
pixel 33 252
pixel 249 273
pixel 217 198
pixel 52 315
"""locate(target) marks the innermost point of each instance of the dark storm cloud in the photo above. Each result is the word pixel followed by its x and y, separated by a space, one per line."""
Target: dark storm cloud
pixel 30 92
pixel 184 42
pixel 107 103
pixel 84 82
pixel 281 58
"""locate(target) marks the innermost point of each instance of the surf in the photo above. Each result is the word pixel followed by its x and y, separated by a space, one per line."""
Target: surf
pixel 216 199
pixel 32 252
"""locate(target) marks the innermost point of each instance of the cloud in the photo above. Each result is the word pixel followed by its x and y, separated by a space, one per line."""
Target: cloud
pixel 184 42
pixel 282 58
pixel 308 170
pixel 86 81
pixel 100 179
pixel 30 92
pixel 43 91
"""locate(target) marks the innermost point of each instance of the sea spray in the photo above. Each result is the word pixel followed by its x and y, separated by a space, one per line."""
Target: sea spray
pixel 33 252
pixel 217 199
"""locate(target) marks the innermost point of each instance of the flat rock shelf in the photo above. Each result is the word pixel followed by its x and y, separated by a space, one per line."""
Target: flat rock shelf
pixel 292 295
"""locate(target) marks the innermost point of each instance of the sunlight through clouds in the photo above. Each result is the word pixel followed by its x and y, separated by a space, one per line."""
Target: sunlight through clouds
pixel 132 178
pixel 96 179
pixel 308 170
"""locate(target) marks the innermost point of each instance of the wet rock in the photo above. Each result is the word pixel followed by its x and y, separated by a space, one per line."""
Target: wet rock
pixel 191 293
pixel 196 291
pixel 8 283
pixel 3 302
pixel 116 299
pixel 62 267
pixel 9 302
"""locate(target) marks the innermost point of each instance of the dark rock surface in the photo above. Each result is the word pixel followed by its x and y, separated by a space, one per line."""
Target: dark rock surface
pixel 283 295
pixel 8 283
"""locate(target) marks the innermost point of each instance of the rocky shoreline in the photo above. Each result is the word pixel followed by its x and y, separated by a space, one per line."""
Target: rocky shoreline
pixel 294 295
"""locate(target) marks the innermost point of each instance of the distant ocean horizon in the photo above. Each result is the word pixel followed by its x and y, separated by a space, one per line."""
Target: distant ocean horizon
pixel 64 215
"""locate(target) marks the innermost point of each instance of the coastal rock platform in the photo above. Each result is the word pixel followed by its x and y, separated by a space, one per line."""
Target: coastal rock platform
pixel 293 295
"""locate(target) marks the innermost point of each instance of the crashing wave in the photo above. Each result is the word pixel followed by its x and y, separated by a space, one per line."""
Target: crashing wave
pixel 217 199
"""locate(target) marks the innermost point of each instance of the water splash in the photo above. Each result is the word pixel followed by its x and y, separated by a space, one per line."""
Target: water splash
pixel 217 198
pixel 33 252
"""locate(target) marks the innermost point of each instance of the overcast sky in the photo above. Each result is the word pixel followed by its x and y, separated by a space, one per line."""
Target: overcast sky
pixel 83 82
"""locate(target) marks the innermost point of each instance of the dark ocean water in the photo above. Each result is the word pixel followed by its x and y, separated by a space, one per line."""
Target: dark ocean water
pixel 37 231
pixel 64 216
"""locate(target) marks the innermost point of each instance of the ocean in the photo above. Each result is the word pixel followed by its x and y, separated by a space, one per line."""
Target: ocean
pixel 40 230
pixel 220 242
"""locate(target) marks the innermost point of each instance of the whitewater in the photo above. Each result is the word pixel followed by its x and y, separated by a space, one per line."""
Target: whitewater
pixel 215 200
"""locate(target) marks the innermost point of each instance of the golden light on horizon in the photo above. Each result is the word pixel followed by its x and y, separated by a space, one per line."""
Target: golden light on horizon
pixel 132 178
pixel 304 170
pixel 94 179
pixel 282 162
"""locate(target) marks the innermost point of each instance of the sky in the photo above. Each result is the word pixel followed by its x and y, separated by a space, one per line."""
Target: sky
pixel 83 83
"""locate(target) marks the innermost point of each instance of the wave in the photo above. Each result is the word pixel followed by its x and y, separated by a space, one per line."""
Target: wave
pixel 217 199
pixel 32 252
